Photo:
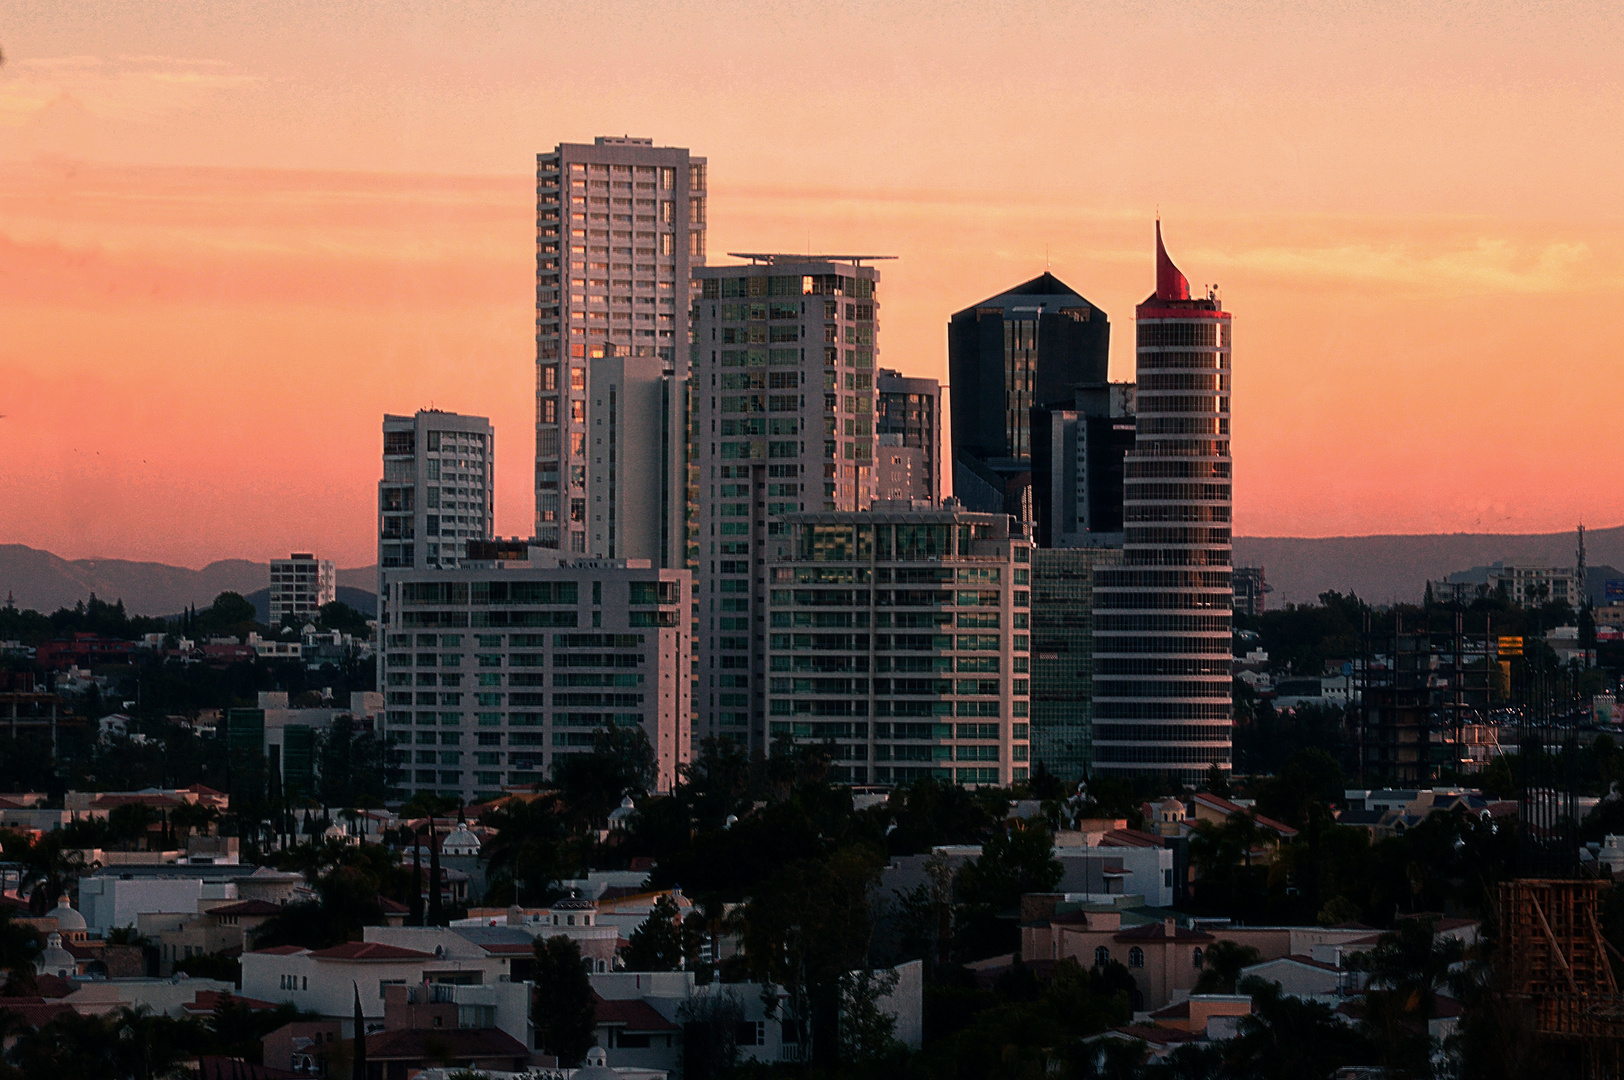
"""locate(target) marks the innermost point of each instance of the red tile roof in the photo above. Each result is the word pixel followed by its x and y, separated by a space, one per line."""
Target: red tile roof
pixel 247 907
pixel 1129 838
pixel 1227 807
pixel 54 986
pixel 633 1014
pixel 1153 1034
pixel 1179 1011
pixel 224 1068
pixel 458 1044
pixel 34 1011
pixel 369 950
pixel 206 1001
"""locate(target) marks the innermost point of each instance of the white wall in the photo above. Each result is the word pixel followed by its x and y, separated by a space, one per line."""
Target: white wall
pixel 108 902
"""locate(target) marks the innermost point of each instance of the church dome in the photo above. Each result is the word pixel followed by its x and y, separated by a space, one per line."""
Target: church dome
pixel 460 841
pixel 68 921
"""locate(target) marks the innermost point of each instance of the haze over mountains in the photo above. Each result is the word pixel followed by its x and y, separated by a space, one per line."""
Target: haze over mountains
pixel 42 581
pixel 1380 569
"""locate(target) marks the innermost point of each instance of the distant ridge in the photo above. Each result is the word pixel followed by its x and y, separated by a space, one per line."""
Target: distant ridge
pixel 1382 569
pixel 42 581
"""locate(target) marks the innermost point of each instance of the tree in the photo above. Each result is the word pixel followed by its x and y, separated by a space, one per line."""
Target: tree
pixel 1221 967
pixel 1406 969
pixel 867 1032
pixel 662 942
pixel 805 930
pixel 1015 862
pixel 621 763
pixel 352 765
pixel 337 615
pixel 1286 1038
pixel 562 1007
pixel 230 614
pixel 525 857
pixel 191 817
pixel 928 812
pixel 19 946
pixel 346 900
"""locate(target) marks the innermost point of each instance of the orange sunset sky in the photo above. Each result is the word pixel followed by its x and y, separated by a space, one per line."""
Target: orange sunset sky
pixel 233 234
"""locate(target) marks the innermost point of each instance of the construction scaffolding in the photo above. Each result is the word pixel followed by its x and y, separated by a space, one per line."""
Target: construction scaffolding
pixel 1420 688
pixel 1559 965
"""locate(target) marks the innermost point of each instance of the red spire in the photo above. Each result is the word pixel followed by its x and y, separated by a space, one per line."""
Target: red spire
pixel 1170 284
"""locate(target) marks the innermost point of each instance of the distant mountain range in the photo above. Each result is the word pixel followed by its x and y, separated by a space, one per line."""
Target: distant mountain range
pixel 1380 569
pixel 1383 569
pixel 42 581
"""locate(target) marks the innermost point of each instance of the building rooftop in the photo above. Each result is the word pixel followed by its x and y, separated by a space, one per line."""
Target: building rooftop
pixel 369 950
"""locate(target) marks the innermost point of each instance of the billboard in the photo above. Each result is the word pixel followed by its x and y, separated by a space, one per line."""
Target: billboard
pixel 1613 591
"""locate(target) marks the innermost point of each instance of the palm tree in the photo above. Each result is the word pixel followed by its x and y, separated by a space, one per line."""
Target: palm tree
pixel 1406 969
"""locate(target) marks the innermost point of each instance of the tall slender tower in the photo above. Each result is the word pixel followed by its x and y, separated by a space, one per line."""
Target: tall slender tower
pixel 619 226
pixel 784 356
pixel 1162 646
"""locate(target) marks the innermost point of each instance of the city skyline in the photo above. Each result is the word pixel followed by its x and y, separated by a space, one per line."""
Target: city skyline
pixel 193 325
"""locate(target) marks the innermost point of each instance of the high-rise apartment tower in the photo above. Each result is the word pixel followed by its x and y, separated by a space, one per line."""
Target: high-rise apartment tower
pixel 437 491
pixel 1162 646
pixel 619 226
pixel 783 421
pixel 908 433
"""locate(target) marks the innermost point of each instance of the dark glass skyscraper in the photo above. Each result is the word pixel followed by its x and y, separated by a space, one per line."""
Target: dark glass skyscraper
pixel 1031 346
pixel 1162 647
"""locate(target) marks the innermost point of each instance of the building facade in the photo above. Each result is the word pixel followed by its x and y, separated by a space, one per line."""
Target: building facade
pixel 493 671
pixel 1077 461
pixel 1162 620
pixel 783 406
pixel 908 437
pixel 1031 346
pixel 1062 657
pixel 636 498
pixel 300 585
pixel 899 639
pixel 1524 584
pixel 1251 589
pixel 438 489
pixel 620 225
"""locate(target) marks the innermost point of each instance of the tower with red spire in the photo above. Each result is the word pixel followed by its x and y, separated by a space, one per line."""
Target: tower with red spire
pixel 1162 619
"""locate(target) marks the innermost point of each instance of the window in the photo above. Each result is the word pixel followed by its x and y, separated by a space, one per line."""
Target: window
pixel 1136 957
pixel 1195 959
pixel 1102 956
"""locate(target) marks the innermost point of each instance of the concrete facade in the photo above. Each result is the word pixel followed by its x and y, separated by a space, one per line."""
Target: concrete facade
pixel 620 226
pixel 493 671
pixel 300 585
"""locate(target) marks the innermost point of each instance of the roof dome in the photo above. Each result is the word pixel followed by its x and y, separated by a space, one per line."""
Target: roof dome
pixel 56 960
pixel 596 1067
pixel 460 841
pixel 67 919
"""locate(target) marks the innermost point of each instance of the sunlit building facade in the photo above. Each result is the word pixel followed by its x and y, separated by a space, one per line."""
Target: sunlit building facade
pixel 620 224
